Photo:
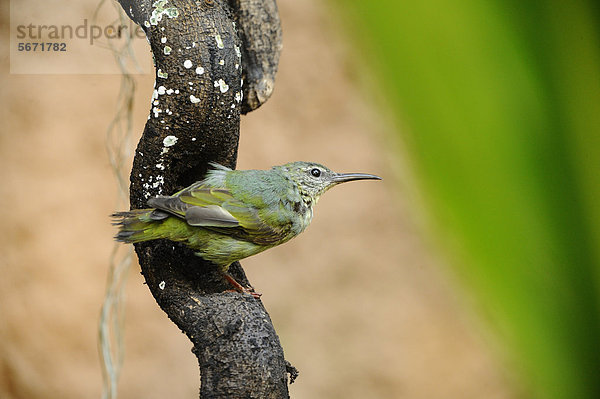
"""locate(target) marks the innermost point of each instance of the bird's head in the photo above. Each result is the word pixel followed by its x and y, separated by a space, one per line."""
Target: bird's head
pixel 313 179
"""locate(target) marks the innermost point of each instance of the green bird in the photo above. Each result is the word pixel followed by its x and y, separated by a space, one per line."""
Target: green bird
pixel 234 214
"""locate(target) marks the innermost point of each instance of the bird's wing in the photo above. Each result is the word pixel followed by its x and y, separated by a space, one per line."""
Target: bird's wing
pixel 217 209
pixel 171 205
pixel 199 206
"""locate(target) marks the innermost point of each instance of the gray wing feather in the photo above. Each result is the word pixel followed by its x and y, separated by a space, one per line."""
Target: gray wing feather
pixel 173 205
pixel 157 214
pixel 211 215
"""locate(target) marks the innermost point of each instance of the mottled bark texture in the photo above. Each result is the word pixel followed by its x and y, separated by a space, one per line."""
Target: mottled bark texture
pixel 260 31
pixel 201 49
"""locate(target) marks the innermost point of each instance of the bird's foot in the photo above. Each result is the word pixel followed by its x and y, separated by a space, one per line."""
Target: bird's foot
pixel 240 288
pixel 244 290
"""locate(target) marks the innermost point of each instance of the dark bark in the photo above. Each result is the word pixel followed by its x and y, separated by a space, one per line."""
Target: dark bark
pixel 260 31
pixel 199 56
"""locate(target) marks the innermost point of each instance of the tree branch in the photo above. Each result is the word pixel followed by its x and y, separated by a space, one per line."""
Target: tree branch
pixel 260 31
pixel 195 117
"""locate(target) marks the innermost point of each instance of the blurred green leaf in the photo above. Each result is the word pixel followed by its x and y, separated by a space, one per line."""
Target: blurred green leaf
pixel 501 100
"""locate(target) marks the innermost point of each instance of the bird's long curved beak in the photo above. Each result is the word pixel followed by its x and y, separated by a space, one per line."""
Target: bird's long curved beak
pixel 344 177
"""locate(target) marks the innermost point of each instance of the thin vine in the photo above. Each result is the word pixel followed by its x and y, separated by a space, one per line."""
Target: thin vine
pixel 119 150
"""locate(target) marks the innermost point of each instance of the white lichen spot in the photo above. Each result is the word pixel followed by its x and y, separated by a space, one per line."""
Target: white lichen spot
pixel 241 82
pixel 238 96
pixel 163 40
pixel 160 166
pixel 222 62
pixel 162 74
pixel 176 91
pixel 169 91
pixel 187 64
pixel 159 182
pixel 193 139
pixel 237 51
pixel 219 41
pixel 162 285
pixel 199 70
pixel 160 10
pixel 221 85
pixel 146 24
pixel 194 99
pixel 162 90
pixel 193 44
pixel 167 50
pixel 170 141
pixel 156 111
pixel 155 102
pixel 237 66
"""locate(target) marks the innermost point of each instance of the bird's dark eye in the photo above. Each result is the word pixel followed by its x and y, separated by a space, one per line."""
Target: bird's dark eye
pixel 315 172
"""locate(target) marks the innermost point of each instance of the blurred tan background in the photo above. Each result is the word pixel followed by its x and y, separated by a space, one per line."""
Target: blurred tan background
pixel 395 327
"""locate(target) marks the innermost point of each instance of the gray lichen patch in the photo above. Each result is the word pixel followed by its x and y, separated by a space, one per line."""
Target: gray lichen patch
pixel 170 141
pixel 223 87
pixel 219 41
pixel 160 9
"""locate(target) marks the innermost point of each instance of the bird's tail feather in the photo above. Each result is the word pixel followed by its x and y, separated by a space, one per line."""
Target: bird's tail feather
pixel 138 225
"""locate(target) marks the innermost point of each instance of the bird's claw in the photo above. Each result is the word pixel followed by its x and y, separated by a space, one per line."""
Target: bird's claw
pixel 250 291
pixel 240 288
